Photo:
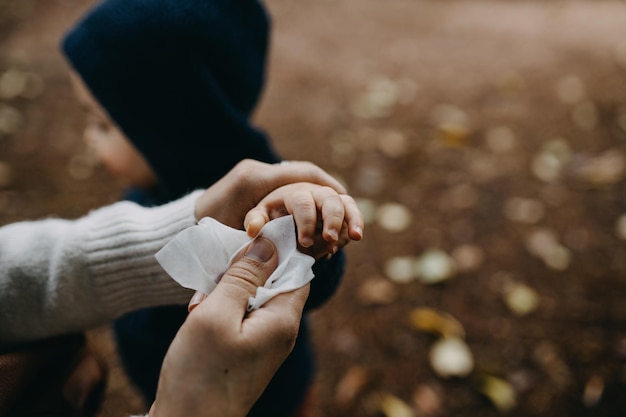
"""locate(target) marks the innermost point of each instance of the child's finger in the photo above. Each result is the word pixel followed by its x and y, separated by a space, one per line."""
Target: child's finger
pixel 255 220
pixel 303 207
pixel 332 210
pixel 353 217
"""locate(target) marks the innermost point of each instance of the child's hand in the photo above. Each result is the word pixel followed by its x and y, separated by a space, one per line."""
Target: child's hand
pixel 229 199
pixel 315 208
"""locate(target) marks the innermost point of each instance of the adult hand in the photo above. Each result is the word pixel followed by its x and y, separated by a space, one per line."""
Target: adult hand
pixel 229 199
pixel 223 357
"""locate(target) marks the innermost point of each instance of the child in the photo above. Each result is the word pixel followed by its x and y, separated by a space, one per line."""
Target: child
pixel 181 79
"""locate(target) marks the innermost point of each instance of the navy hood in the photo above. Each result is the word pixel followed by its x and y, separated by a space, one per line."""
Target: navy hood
pixel 181 79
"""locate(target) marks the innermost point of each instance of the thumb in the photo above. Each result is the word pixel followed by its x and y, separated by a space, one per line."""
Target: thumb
pixel 248 271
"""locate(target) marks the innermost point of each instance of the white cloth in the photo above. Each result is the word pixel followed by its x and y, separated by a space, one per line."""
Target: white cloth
pixel 198 257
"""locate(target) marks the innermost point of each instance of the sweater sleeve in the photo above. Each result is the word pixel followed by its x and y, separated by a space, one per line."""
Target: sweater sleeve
pixel 59 276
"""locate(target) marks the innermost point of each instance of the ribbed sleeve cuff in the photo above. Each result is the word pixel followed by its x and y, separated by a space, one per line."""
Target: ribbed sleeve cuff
pixel 121 242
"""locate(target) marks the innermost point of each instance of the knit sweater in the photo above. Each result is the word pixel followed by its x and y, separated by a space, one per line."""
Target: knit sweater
pixel 59 276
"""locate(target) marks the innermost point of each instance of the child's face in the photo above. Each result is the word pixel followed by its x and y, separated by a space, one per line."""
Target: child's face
pixel 118 155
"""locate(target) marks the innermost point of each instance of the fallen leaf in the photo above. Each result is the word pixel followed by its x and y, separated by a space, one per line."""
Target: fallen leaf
pixel 392 406
pixel 434 266
pixel 400 269
pixel 620 226
pixel 451 357
pixel 594 388
pixel 524 210
pixel 350 385
pixel 436 322
pixel 394 217
pixel 393 143
pixel 549 162
pixel 605 169
pixel 451 123
pixel 544 244
pixel 570 89
pixel 368 209
pixel 500 139
pixel 521 299
pixel 378 101
pixel 468 257
pixel 499 391
pixel 10 119
pixel 427 400
pixel 377 291
pixel 12 83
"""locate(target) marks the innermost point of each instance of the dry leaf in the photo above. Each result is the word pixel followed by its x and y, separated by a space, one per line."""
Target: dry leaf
pixel 427 400
pixel 593 391
pixel 500 139
pixel 393 143
pixel 394 217
pixel 548 164
pixel 524 210
pixel 605 169
pixel 368 209
pixel 434 266
pixel 468 257
pixel 377 291
pixel 350 385
pixel 392 406
pixel 570 89
pixel 433 321
pixel 620 226
pixel 10 119
pixel 544 244
pixel 12 83
pixel 400 269
pixel 500 392
pixel 521 299
pixel 451 357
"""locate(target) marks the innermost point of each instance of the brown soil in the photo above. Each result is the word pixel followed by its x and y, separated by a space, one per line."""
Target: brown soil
pixel 490 64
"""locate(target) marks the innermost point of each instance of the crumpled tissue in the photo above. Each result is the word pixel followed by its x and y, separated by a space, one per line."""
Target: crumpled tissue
pixel 198 256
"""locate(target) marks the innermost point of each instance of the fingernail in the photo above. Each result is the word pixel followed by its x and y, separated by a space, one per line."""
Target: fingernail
pixel 359 231
pixel 334 234
pixel 307 241
pixel 261 250
pixel 197 298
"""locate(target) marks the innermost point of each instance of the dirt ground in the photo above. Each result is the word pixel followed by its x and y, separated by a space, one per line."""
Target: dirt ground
pixel 486 143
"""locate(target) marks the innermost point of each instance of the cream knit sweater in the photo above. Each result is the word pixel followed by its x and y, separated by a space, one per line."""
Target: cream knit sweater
pixel 59 276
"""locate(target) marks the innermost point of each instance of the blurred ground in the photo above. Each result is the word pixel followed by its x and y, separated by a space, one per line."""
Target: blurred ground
pixel 486 142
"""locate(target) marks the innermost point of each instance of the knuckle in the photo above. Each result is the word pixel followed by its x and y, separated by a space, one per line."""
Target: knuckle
pixel 330 191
